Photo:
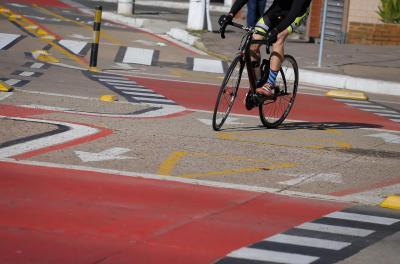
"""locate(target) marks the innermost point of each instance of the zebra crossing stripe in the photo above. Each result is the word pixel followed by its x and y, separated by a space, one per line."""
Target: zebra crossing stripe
pixel 75 46
pixel 373 108
pixel 271 256
pixel 116 81
pixel 329 239
pixel 308 241
pixel 132 88
pixel 9 40
pixel 333 229
pixel 363 218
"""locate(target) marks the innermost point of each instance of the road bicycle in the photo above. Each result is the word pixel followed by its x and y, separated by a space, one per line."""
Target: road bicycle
pixel 273 109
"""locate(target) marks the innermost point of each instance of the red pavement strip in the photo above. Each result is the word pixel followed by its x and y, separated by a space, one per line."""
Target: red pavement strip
pixel 307 107
pixel 57 215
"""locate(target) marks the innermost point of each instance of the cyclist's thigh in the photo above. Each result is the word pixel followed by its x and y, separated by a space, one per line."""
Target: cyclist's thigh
pixel 270 19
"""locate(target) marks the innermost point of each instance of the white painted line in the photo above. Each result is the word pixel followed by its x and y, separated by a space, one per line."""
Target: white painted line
pixel 387 137
pixel 45 107
pixel 395 120
pixel 367 106
pixel 206 65
pixel 123 86
pixel 6 39
pixel 271 256
pixel 75 46
pixel 108 154
pixel 352 101
pixel 76 131
pixel 143 94
pixel 363 218
pixel 147 99
pixel 308 242
pixel 138 56
pixel 387 114
pixel 26 73
pixel 5 95
pixel 333 229
pixel 37 65
pixel 12 81
pixel 382 111
pixel 132 89
pixel 110 77
pixel 112 81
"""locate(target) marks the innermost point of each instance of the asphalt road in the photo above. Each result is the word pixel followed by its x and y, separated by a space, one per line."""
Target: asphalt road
pixel 330 155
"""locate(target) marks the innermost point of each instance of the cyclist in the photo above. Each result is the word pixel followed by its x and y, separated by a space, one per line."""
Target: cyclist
pixel 280 20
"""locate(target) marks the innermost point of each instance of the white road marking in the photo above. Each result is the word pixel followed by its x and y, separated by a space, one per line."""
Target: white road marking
pixel 334 229
pixel 26 73
pixel 12 81
pixel 363 218
pixel 387 137
pixel 76 131
pixel 387 114
pixel 206 65
pixel 138 56
pixel 229 121
pixel 308 241
pixel 164 111
pixel 364 106
pixel 313 177
pixel 115 81
pixel 6 39
pixel 5 95
pixel 132 89
pixel 75 46
pixel 143 94
pixel 108 154
pixel 271 256
pixel 37 65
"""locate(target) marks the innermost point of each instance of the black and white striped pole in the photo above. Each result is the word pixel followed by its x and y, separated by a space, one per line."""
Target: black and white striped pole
pixel 96 39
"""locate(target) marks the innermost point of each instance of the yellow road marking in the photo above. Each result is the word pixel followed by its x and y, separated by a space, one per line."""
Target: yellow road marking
pixel 24 22
pixel 103 34
pixel 168 165
pixel 234 136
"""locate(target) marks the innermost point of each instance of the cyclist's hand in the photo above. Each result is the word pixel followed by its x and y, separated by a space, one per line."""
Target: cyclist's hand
pixel 273 36
pixel 224 21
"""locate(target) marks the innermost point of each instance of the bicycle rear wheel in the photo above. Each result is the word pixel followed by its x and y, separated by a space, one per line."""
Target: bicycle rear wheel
pixel 227 93
pixel 273 112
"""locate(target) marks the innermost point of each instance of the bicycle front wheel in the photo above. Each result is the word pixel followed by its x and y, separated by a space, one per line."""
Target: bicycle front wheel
pixel 273 112
pixel 227 93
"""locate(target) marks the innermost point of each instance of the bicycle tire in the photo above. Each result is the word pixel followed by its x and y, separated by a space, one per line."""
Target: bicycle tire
pixel 227 93
pixel 273 112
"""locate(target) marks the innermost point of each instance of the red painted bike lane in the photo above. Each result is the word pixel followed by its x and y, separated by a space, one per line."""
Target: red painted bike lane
pixel 307 107
pixel 61 215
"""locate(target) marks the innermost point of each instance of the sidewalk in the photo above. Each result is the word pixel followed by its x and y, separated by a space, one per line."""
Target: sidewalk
pixel 367 68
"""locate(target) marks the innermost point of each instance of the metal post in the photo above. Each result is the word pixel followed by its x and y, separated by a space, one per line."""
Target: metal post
pixel 96 39
pixel 322 37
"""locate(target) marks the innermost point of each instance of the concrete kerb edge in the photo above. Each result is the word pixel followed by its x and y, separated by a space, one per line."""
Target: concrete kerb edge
pixel 349 82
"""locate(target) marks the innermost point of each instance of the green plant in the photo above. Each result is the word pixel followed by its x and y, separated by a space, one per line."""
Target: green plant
pixel 389 11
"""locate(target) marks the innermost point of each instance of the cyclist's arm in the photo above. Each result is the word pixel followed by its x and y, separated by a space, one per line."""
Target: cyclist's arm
pixel 294 12
pixel 237 6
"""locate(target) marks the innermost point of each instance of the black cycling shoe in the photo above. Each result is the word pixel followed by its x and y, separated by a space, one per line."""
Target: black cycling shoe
pixel 250 101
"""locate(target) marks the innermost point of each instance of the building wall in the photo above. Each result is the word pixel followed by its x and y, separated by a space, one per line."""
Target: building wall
pixel 364 11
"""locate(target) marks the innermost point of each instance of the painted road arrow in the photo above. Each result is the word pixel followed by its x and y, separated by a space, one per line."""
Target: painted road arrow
pixel 108 154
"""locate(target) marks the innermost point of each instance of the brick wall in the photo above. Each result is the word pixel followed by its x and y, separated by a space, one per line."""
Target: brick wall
pixel 367 33
pixel 315 19
pixel 364 11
